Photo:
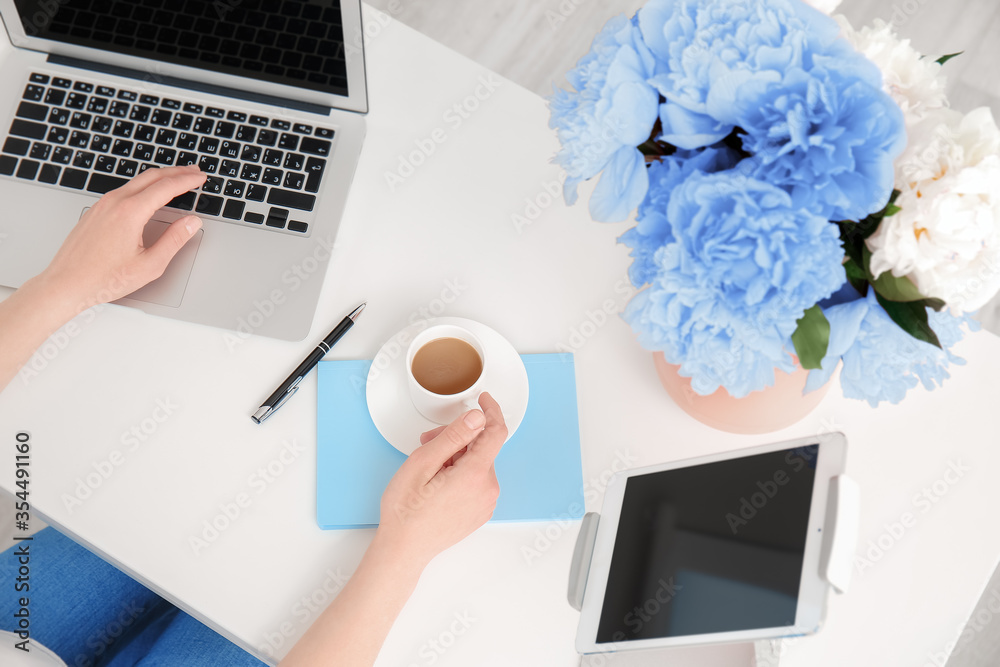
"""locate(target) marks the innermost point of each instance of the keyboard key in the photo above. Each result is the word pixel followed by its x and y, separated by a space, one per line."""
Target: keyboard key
pixel 294 180
pixel 315 146
pixel 235 189
pixel 250 153
pixel 314 173
pixel 59 82
pixel 229 168
pixel 185 158
pixel 106 164
pixel 166 137
pixel 193 108
pixel 76 101
pixel 122 148
pixel 79 120
pixel 237 116
pixel 144 133
pixel 277 217
pixel 256 192
pixel 100 143
pixel 301 128
pixel 272 176
pixel 213 184
pixel 79 139
pixel 291 199
pixel 215 112
pixel 208 164
pixel 281 124
pixel 105 91
pixel 127 168
pixel 171 104
pixel 32 111
pixel 204 125
pixel 209 205
pixel 297 226
pixel 16 146
pixel 143 166
pixel 185 202
pixel 289 142
pixel 55 97
pixel 144 152
pixel 151 100
pixel 83 87
pixel 245 133
pixel 26 128
pixel 251 172
pixel 267 137
pixel 164 156
pixel 34 93
pixel 27 169
pixel 62 155
pixel 40 151
pixel 182 121
pixel 230 149
pixel 102 183
pixel 97 105
pixel 7 165
pixel 225 130
pixel 102 125
pixel 258 120
pixel 49 174
pixel 83 160
pixel 294 161
pixel 254 218
pixel 127 95
pixel 187 141
pixel 161 117
pixel 58 116
pixel 272 157
pixel 73 178
pixel 123 129
pixel 234 209
pixel 38 78
pixel 139 113
pixel 57 135
pixel 324 133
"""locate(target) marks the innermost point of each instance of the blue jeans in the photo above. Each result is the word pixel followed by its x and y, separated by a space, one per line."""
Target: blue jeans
pixel 92 615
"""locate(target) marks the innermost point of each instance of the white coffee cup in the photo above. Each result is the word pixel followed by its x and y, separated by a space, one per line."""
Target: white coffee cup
pixel 444 408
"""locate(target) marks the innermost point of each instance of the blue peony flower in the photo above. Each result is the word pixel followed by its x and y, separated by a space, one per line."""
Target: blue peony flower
pixel 881 361
pixel 610 112
pixel 653 230
pixel 739 267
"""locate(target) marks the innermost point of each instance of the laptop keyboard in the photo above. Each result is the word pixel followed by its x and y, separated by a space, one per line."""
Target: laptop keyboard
pixel 263 172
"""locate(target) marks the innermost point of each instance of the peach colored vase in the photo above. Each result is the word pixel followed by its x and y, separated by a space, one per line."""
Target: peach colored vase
pixel 764 411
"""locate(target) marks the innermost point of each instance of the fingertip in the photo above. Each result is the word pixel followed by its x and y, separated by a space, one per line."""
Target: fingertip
pixel 475 419
pixel 192 224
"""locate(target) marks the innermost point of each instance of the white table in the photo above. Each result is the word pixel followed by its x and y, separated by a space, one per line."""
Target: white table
pixel 443 241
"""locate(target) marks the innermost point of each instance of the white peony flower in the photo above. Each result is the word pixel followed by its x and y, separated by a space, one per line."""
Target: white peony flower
pixel 825 6
pixel 946 238
pixel 914 82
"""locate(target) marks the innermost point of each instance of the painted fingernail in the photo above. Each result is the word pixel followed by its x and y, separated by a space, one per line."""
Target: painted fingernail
pixel 475 419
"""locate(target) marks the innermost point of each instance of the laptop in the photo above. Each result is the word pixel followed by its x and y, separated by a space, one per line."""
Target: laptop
pixel 267 96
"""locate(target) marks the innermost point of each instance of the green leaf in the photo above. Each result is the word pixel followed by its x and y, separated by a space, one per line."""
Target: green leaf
pixel 892 210
pixel 857 276
pixel 943 59
pixel 811 338
pixel 889 286
pixel 936 304
pixel 911 318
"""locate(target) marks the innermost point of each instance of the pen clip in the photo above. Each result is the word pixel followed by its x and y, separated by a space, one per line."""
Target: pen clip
pixel 271 410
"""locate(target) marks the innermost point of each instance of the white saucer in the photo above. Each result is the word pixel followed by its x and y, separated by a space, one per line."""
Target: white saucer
pixel 389 396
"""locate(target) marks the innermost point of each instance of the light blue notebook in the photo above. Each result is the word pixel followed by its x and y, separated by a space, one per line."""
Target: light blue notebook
pixel 539 468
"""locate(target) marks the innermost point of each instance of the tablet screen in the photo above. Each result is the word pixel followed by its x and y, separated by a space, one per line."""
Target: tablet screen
pixel 716 547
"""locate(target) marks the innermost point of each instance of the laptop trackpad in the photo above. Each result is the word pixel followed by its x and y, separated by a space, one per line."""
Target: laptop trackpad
pixel 168 289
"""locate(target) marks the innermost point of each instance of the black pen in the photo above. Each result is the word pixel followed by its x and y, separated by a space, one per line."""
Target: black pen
pixel 291 384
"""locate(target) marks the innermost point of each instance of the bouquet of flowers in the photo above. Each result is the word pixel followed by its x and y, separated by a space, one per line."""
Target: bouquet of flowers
pixel 801 187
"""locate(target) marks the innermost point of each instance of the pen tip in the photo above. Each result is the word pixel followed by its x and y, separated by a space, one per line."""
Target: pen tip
pixel 357 311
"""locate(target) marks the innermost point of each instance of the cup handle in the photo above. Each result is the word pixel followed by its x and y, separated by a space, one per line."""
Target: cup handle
pixel 472 403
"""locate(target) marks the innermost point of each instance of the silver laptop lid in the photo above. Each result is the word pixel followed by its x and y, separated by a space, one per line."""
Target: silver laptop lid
pixel 309 51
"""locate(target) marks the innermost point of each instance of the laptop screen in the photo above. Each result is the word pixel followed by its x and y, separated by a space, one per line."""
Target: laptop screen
pixel 298 43
pixel 716 547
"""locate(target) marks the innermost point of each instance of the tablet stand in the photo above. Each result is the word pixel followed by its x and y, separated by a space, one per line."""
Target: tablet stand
pixel 843 510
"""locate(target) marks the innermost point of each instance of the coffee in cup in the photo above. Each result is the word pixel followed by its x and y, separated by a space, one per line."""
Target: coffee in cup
pixel 445 369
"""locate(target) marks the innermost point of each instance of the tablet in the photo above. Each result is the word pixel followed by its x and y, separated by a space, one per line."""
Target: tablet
pixel 720 548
